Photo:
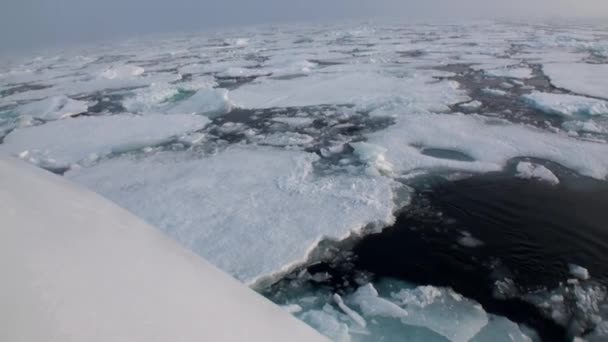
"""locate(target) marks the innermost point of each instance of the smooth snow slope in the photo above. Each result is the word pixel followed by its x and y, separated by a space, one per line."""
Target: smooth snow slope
pixel 76 267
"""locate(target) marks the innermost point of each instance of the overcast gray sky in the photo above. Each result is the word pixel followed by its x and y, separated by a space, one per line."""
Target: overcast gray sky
pixel 30 23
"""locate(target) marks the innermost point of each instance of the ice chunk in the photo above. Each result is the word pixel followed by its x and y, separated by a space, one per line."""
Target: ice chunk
pixel 121 71
pixel 494 92
pixel 267 199
pixel 440 310
pixel 53 108
pixel 295 122
pixel 527 170
pixel 292 308
pixel 59 144
pixel 348 311
pixel 467 240
pixel 371 304
pixel 443 311
pixel 325 322
pixel 160 96
pixel 209 102
pixel 373 156
pixel 471 105
pixel 500 329
pixel 578 271
pixel 510 72
pixel 567 105
pixel 582 78
pixel 589 126
pixel 490 142
pixel 287 139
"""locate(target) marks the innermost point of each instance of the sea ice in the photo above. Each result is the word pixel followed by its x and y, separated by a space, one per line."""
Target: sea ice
pixel 566 105
pixel 582 78
pixel 53 108
pixel 266 199
pixel 527 170
pixel 59 144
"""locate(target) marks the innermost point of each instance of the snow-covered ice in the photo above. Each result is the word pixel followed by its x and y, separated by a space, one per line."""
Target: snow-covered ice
pixel 567 105
pixel 253 212
pixel 59 144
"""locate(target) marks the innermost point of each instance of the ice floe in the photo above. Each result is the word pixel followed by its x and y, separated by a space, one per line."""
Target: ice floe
pixel 490 142
pixel 582 78
pixel 567 105
pixel 367 89
pixel 59 144
pixel 252 212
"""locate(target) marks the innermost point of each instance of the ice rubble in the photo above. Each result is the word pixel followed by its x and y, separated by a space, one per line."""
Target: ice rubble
pixel 580 306
pixel 59 144
pixel 266 199
pixel 527 170
pixel 490 142
pixel 566 105
pixel 588 79
pixel 391 310
pixel 53 108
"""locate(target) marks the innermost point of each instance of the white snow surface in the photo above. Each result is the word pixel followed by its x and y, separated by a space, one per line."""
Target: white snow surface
pixel 59 144
pixel 76 267
pixel 527 170
pixel 53 108
pixel 491 142
pixel 582 78
pixel 566 105
pixel 252 212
